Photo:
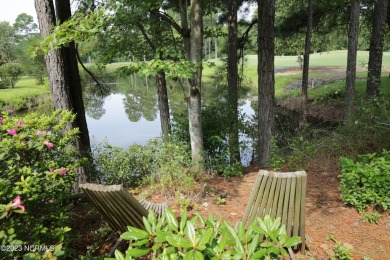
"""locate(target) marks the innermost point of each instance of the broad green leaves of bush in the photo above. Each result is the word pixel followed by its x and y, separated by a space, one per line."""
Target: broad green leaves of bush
pixel 37 169
pixel 198 238
pixel 366 181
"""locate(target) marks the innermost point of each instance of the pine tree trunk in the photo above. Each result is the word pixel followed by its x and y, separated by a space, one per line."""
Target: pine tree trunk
pixel 161 82
pixel 54 61
pixel 184 26
pixel 194 104
pixel 234 143
pixel 353 34
pixel 216 47
pixel 266 81
pixel 376 48
pixel 163 104
pixel 64 78
pixel 76 94
pixel 306 58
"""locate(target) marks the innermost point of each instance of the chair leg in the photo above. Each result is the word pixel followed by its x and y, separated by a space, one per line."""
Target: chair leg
pixel 291 253
pixel 118 241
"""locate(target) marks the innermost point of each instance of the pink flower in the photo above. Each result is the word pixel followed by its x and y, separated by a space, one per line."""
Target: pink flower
pixel 48 144
pixel 12 132
pixel 20 123
pixel 51 169
pixel 63 171
pixel 17 202
pixel 39 132
pixel 1 120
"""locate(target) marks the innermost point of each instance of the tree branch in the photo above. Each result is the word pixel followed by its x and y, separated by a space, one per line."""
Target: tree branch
pixel 142 29
pixel 174 24
pixel 102 89
pixel 243 39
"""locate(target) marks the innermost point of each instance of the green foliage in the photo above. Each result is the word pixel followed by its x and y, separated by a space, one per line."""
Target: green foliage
pixel 215 125
pixel 10 73
pixel 370 123
pixel 340 251
pixel 37 169
pixel 211 238
pixel 221 201
pixel 24 92
pixel 365 181
pixel 163 164
pixel 372 217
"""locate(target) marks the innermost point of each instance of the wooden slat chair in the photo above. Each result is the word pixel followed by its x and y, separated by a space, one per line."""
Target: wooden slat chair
pixel 283 195
pixel 119 208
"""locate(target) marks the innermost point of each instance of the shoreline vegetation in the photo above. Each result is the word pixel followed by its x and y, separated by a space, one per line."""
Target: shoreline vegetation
pixel 324 67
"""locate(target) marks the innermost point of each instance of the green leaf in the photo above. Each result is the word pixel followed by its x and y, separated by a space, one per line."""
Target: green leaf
pixel 253 245
pixel 260 254
pixel 134 234
pixel 293 241
pixel 183 220
pixel 119 255
pixel 137 252
pixel 147 225
pixel 222 243
pixel 193 254
pixel 241 231
pixel 238 245
pixel 161 236
pixel 198 216
pixel 191 233
pixel 205 238
pixel 152 219
pixel 178 241
pixel 172 220
pixel 140 242
pixel 273 250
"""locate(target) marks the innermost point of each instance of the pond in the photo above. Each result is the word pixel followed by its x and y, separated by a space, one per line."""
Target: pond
pixel 129 113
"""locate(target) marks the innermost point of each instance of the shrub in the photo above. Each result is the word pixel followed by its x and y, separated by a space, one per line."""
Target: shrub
pixel 164 165
pixel 37 169
pixel 210 238
pixel 368 128
pixel 366 181
pixel 10 73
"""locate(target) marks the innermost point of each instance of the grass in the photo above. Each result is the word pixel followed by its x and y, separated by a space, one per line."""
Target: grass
pixel 322 59
pixel 26 89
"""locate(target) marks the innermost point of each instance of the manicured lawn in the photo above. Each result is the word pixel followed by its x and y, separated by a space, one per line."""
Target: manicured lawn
pixel 25 89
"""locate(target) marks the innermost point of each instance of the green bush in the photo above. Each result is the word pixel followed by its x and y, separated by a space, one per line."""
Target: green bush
pixel 37 170
pixel 198 238
pixel 366 181
pixel 164 165
pixel 368 128
pixel 10 73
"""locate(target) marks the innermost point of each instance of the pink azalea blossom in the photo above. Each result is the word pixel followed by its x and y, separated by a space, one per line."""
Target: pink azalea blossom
pixel 39 132
pixel 63 171
pixel 12 132
pixel 48 144
pixel 51 169
pixel 20 123
pixel 17 202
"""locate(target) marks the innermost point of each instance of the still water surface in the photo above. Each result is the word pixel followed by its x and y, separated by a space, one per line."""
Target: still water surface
pixel 115 126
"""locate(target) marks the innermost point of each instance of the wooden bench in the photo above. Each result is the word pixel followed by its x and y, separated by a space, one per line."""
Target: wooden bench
pixel 280 194
pixel 119 207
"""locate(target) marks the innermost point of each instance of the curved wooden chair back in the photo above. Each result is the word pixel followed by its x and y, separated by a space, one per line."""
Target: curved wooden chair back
pixel 280 194
pixel 119 207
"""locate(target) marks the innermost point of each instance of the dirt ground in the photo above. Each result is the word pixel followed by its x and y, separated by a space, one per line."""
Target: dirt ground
pixel 326 215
